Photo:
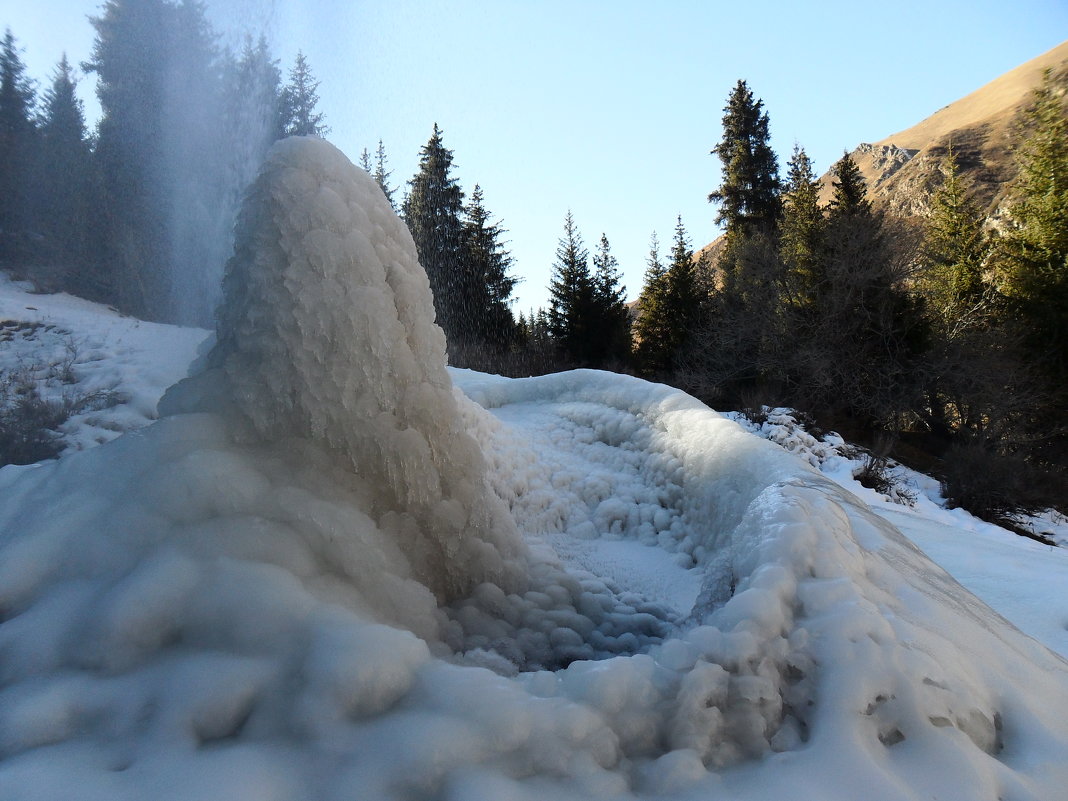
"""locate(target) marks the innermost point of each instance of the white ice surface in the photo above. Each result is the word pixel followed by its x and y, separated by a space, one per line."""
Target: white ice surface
pixel 209 609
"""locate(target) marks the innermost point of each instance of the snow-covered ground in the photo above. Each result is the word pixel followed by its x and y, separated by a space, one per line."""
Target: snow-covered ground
pixel 1022 579
pixel 324 573
pixel 72 348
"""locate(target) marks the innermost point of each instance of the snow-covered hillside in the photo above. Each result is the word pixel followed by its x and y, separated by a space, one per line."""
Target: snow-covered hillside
pixel 326 574
pixel 74 350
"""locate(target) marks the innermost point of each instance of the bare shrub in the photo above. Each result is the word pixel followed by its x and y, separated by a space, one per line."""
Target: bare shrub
pixel 998 487
pixel 880 473
pixel 30 419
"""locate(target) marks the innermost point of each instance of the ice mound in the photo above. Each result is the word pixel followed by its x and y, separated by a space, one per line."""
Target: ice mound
pixel 326 575
pixel 327 333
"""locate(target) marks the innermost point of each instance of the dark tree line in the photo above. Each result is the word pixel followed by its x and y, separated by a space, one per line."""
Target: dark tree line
pixel 941 332
pixel 138 212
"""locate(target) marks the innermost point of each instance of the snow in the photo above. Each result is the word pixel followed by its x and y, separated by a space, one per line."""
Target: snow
pixel 333 568
pixel 80 349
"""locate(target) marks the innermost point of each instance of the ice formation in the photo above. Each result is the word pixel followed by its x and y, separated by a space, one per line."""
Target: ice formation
pixel 326 575
pixel 327 333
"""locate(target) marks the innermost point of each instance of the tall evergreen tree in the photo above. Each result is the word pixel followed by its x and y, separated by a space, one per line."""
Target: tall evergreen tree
pixel 253 103
pixel 162 149
pixel 17 146
pixel 955 250
pixel 684 303
pixel 611 327
pixel 849 191
pixel 571 296
pixel 381 174
pixel 966 378
pixel 1033 254
pixel 748 196
pixel 802 230
pixel 433 212
pixel 485 318
pixel 129 58
pixel 67 186
pixel 652 325
pixel 300 99
pixel 870 332
pixel 736 331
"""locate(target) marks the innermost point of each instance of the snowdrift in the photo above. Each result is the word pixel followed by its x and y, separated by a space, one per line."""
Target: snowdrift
pixel 326 573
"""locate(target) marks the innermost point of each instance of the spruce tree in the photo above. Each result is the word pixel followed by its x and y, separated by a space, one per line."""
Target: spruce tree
pixel 130 56
pixel 483 312
pixel 849 191
pixel 748 196
pixel 749 266
pixel 433 212
pixel 253 102
pixel 734 329
pixel 611 318
pixel 965 381
pixel 163 148
pixel 869 332
pixel 802 230
pixel 381 174
pixel 67 186
pixel 652 325
pixel 1033 254
pixel 17 151
pixel 571 297
pixel 682 300
pixel 955 250
pixel 300 100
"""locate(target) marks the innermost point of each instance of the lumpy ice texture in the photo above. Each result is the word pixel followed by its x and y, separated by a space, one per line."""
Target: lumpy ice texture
pixel 327 333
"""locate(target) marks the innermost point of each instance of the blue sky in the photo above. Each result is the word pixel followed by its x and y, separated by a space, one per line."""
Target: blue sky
pixel 608 109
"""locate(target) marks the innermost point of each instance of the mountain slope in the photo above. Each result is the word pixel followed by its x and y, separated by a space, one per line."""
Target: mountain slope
pixel 903 169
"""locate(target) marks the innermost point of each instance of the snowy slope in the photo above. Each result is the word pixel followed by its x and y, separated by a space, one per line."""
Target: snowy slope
pixel 326 574
pixel 75 348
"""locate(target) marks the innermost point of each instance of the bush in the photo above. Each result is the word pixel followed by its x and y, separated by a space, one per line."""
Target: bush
pixel 29 421
pixel 997 487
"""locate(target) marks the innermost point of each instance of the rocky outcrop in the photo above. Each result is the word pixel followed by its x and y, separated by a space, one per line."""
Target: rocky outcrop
pixel 903 170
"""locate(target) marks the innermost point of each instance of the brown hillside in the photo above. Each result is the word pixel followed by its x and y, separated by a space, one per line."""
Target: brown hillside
pixel 903 169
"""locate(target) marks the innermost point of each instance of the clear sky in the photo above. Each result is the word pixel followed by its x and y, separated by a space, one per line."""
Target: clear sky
pixel 608 109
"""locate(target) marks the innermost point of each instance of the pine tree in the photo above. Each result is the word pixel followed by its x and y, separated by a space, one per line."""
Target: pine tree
pixel 802 230
pixel 129 58
pixel 749 266
pixel 17 150
pixel 483 312
pixel 253 102
pixel 868 332
pixel 652 326
pixel 1033 254
pixel 381 174
pixel 748 196
pixel 849 196
pixel 683 293
pixel 67 186
pixel 300 98
pixel 163 148
pixel 611 318
pixel 955 251
pixel 571 296
pixel 433 212
pixel 365 161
